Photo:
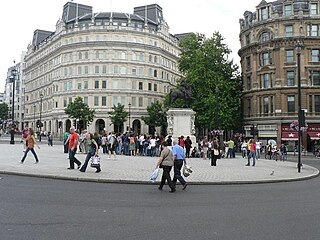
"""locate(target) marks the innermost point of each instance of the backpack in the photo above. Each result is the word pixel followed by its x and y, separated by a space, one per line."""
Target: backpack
pixel 115 141
pixel 99 141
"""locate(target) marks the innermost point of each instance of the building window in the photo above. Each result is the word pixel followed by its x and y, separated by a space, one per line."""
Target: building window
pixel 141 56
pixel 134 71
pixel 103 101
pixel 123 56
pixel 104 84
pixel 115 100
pixel 64 102
pixel 116 56
pixel 310 104
pixel 96 69
pixel 313 30
pixel 80 56
pixel 317 103
pixel 123 70
pixel 155 87
pixel 266 105
pixel 248 62
pixel 140 86
pixel 289 31
pixel 96 84
pixel 86 55
pixel 315 55
pixel 266 81
pixel 123 84
pixel 85 85
pixel 291 107
pixel 266 58
pixel 79 86
pixel 134 101
pixel 140 102
pixel 96 101
pixel 288 10
pixel 271 104
pixel 85 100
pixel 65 86
pixel 315 78
pixel 104 69
pixel 264 14
pixel 79 70
pixel 134 84
pixel 115 69
pixel 249 106
pixel 290 78
pixel 289 56
pixel 249 83
pixel 97 55
pixel 313 9
pixel 149 86
pixel 264 37
pixel 123 100
pixel 155 73
pixel 134 56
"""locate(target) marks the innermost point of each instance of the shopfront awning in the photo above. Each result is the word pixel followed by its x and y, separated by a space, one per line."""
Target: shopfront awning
pixel 314 135
pixel 287 136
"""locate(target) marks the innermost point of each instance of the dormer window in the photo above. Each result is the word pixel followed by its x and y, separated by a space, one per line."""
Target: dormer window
pixel 264 14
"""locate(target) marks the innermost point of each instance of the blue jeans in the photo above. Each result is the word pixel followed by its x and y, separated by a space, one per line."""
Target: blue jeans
pixel 253 156
pixel 177 172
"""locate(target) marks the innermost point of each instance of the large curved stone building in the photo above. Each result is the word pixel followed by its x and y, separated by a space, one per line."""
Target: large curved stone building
pixel 106 58
pixel 268 54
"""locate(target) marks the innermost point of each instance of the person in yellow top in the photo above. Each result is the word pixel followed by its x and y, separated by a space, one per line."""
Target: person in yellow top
pixel 30 142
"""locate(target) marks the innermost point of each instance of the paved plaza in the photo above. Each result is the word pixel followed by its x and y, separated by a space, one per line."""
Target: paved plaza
pixel 136 169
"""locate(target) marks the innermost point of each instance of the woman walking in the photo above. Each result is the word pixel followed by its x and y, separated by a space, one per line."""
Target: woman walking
pixel 92 147
pixel 215 152
pixel 166 162
pixel 30 142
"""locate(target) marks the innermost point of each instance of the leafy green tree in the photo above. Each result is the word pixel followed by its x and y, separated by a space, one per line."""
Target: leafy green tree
pixel 4 111
pixel 157 117
pixel 215 80
pixel 118 116
pixel 79 110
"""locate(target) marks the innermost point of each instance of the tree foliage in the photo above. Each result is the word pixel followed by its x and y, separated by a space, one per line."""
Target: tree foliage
pixel 216 81
pixel 79 110
pixel 118 115
pixel 157 116
pixel 4 110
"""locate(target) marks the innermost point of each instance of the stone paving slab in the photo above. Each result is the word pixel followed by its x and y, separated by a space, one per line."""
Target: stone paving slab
pixel 135 169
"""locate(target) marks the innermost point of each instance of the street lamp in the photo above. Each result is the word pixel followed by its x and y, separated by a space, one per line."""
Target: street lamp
pixel 299 46
pixel 40 122
pixel 34 114
pixel 129 116
pixel 13 79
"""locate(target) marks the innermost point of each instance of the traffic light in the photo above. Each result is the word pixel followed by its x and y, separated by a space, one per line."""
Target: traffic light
pixel 39 124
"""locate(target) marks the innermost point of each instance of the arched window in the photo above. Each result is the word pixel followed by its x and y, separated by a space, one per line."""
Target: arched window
pixel 265 36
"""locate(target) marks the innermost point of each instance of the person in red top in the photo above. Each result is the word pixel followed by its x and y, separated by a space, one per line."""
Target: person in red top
pixel 252 152
pixel 73 145
pixel 181 141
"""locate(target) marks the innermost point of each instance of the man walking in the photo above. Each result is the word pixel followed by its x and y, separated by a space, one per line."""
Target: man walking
pixel 73 145
pixel 179 158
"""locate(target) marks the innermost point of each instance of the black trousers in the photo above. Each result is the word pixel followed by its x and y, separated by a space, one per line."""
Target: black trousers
pixel 177 172
pixel 86 161
pixel 73 159
pixel 166 176
pixel 188 152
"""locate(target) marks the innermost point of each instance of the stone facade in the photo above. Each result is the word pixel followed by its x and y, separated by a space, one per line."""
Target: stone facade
pixel 269 37
pixel 105 58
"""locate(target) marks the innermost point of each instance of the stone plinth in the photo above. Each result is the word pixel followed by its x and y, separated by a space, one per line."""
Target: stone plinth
pixel 181 123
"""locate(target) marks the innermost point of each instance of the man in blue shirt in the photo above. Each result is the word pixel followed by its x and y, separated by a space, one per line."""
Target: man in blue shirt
pixel 179 158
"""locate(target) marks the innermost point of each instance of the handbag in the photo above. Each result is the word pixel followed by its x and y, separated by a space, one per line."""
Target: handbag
pixel 155 174
pixel 95 161
pixel 187 170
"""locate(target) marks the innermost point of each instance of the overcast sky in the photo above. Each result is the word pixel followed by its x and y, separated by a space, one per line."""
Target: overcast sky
pixel 19 19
